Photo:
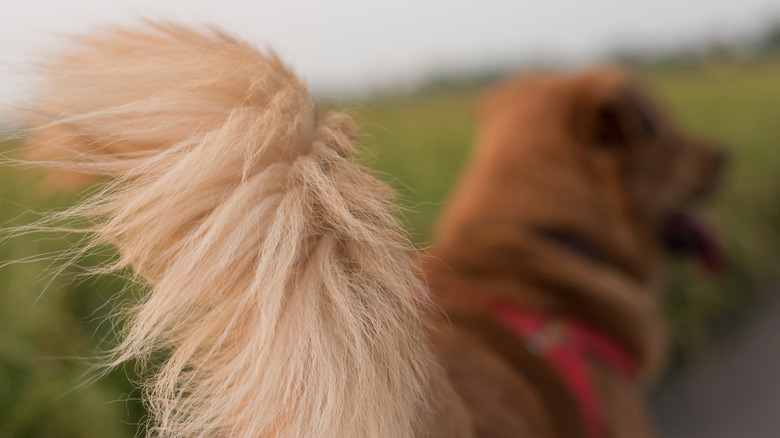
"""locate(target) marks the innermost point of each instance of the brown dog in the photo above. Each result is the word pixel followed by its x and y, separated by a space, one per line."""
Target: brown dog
pixel 549 253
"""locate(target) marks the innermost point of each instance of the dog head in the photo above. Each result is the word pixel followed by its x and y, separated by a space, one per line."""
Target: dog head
pixel 658 167
pixel 591 160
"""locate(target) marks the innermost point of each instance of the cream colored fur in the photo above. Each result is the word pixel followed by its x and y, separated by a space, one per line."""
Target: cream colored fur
pixel 280 284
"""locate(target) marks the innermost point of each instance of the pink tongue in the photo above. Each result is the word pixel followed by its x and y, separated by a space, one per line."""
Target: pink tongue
pixel 688 234
pixel 710 254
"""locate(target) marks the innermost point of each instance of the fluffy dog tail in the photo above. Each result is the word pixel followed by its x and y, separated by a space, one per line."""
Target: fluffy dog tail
pixel 280 288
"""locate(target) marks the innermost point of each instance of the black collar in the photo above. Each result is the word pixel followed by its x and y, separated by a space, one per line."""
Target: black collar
pixel 573 243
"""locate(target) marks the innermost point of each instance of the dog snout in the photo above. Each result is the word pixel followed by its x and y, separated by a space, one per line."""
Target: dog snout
pixel 721 159
pixel 712 171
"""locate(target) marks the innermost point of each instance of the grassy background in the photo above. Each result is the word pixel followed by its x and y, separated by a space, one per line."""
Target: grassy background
pixel 49 327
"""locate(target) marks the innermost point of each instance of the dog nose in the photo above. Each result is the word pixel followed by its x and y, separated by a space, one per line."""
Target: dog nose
pixel 722 158
pixel 712 172
pixel 721 161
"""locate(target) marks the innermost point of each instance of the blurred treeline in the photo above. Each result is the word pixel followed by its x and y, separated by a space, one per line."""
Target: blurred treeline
pixel 706 53
pixel 52 327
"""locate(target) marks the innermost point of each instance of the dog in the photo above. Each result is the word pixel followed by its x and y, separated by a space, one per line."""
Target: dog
pixel 281 292
pixel 549 254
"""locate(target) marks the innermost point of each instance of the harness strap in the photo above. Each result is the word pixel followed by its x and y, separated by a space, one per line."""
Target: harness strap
pixel 566 416
pixel 568 346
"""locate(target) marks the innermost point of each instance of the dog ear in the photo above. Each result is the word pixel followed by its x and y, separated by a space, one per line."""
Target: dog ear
pixel 621 116
pixel 627 119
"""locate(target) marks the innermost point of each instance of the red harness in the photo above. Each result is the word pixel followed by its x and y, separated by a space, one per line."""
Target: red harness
pixel 568 345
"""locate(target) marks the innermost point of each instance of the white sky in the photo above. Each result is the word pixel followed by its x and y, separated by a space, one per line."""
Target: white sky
pixel 356 44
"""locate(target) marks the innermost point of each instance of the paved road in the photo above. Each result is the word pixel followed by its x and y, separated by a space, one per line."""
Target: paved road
pixel 735 395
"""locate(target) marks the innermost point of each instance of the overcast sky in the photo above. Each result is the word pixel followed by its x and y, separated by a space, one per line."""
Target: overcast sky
pixel 354 44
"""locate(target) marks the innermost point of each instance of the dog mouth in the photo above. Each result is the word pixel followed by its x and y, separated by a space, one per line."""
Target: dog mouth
pixel 685 234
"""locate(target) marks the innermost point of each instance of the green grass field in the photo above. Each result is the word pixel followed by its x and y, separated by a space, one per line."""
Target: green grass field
pixel 50 328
